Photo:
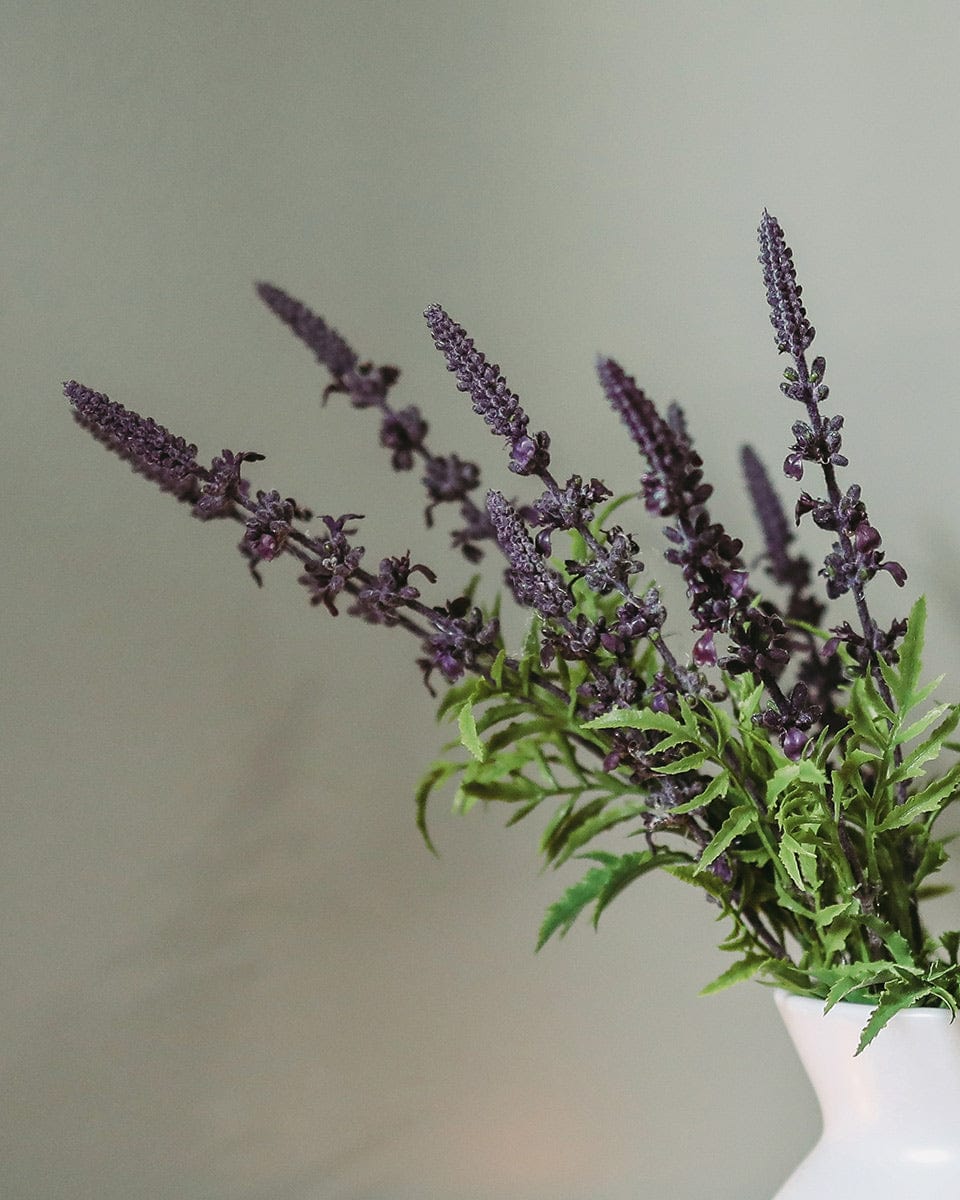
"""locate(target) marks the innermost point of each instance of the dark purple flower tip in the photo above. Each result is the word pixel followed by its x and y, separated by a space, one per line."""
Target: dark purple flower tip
pixel 328 346
pixel 866 538
pixel 149 448
pixel 897 571
pixel 530 455
pixel 793 466
pixel 533 583
pixel 792 743
pixel 704 651
pixel 491 396
pixel 792 331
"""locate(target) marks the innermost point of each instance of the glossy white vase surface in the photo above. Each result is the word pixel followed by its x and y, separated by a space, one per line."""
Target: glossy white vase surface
pixel 891 1115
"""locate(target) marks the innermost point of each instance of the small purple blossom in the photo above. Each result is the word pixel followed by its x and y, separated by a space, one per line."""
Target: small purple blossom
pixel 268 526
pixel 224 487
pixel 463 639
pixel 379 601
pixel 447 478
pixel 332 562
pixel 569 507
pixel 403 432
pixel 612 565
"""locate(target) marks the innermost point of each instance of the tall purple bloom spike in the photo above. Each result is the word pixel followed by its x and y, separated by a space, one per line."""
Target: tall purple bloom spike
pixel 329 347
pixel 492 398
pixel 151 449
pixel 533 582
pixel 792 331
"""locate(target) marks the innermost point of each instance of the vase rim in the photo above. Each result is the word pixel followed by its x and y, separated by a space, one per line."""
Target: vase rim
pixel 783 998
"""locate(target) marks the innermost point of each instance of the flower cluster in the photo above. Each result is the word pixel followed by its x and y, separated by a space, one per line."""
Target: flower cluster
pixel 772 769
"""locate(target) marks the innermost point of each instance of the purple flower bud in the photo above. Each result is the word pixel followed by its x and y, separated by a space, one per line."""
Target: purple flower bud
pixel 704 651
pixel 793 742
pixel 793 466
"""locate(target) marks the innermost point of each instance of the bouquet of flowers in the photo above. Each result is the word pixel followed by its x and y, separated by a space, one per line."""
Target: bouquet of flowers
pixel 789 767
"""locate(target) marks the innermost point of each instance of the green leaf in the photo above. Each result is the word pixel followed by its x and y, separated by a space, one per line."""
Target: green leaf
pixel 468 731
pixel 438 773
pixel 856 977
pixel 826 916
pixel 681 765
pixel 741 817
pixel 575 837
pixel 601 885
pixel 638 718
pixel 908 661
pixel 888 1008
pixel 931 800
pixel 562 914
pixel 717 788
pixel 743 969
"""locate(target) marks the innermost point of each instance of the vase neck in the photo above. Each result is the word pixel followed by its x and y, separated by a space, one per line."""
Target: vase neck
pixel 907 1078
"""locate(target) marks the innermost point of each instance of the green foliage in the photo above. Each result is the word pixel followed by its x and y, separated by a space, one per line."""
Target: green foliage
pixel 818 865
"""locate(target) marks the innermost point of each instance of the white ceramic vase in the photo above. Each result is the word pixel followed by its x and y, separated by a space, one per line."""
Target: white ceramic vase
pixel 891 1115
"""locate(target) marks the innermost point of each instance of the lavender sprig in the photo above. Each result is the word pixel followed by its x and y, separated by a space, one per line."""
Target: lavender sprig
pixel 492 398
pixel 446 478
pixel 454 636
pixel 856 556
pixel 612 556
pixel 151 449
pixel 721 599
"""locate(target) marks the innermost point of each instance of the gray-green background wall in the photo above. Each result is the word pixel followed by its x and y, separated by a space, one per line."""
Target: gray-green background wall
pixel 230 969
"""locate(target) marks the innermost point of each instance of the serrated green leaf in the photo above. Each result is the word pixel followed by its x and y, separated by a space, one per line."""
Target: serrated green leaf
pixel 909 665
pixel 826 916
pixel 638 718
pixel 741 817
pixel 563 913
pixel 496 668
pixel 856 977
pixel 561 830
pixel 931 799
pixel 437 774
pixel 716 789
pixel 887 1009
pixel 606 818
pixel 744 969
pixel 690 762
pixel 630 867
pixel 468 731
pixel 922 723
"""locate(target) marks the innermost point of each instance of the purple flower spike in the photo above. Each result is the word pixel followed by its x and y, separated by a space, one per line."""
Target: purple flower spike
pixel 150 449
pixel 533 583
pixel 792 331
pixel 329 347
pixel 492 398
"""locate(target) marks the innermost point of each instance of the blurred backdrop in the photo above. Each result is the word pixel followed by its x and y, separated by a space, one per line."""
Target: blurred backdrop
pixel 231 971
